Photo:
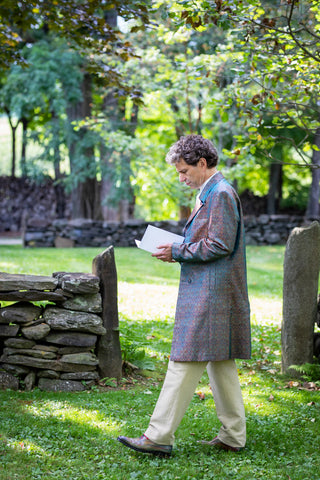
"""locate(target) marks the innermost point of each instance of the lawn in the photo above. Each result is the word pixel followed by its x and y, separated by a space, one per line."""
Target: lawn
pixel 73 436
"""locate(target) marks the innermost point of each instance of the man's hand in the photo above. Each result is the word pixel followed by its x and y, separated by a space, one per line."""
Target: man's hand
pixel 165 253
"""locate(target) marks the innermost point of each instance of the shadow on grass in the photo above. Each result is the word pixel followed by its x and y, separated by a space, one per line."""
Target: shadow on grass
pixel 68 435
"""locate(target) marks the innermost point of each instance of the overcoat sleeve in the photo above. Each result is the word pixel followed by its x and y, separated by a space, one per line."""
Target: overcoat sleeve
pixel 213 232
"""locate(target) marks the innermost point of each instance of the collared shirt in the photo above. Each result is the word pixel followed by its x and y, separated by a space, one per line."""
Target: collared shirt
pixel 201 188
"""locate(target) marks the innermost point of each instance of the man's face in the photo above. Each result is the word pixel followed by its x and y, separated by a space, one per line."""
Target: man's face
pixel 192 175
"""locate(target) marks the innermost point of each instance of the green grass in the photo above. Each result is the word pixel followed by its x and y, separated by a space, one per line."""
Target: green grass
pixel 72 436
pixel 15 259
pixel 137 266
pixel 265 271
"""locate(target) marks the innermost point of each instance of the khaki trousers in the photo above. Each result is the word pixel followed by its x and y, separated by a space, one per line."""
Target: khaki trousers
pixel 179 386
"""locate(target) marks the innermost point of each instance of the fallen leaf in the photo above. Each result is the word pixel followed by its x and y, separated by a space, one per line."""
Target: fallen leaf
pixel 292 384
pixel 201 395
pixel 309 385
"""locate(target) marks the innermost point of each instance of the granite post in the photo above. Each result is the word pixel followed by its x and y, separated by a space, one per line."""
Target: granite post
pixel 300 292
pixel 108 349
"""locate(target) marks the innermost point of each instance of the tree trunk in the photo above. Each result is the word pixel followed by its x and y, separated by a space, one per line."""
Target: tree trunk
pixel 275 188
pixel 119 209
pixel 312 212
pixel 109 212
pixel 184 212
pixel 60 200
pixel 85 200
pixel 58 187
pixel 13 144
pixel 122 209
pixel 23 160
pixel 85 192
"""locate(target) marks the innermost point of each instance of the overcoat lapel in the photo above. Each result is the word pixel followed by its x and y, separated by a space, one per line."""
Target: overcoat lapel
pixel 192 215
pixel 203 196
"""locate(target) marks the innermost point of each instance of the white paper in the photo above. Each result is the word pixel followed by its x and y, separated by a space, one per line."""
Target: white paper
pixel 154 236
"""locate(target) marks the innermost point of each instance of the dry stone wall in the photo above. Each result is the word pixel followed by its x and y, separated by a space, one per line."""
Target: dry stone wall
pixel 261 230
pixel 52 345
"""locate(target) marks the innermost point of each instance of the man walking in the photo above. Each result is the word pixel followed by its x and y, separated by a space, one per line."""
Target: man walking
pixel 212 322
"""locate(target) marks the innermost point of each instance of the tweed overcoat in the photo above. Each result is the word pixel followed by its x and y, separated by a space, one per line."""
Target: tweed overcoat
pixel 212 319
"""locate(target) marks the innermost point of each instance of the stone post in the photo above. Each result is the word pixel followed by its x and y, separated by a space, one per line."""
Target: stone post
pixel 108 349
pixel 300 291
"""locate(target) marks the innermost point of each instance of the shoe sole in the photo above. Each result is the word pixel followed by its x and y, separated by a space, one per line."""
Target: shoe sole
pixel 142 450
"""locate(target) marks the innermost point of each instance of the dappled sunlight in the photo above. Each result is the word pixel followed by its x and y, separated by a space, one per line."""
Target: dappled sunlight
pixel 9 267
pixel 69 413
pixel 265 311
pixel 26 446
pixel 150 301
pixel 42 435
pixel 147 301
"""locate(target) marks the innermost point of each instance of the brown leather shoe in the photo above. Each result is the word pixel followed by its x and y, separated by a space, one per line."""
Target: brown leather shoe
pixel 216 443
pixel 144 445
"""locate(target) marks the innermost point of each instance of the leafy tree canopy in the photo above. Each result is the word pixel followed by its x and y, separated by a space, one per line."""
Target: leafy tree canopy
pixel 274 49
pixel 86 24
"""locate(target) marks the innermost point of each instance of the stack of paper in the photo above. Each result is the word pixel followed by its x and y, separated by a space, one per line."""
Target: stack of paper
pixel 154 236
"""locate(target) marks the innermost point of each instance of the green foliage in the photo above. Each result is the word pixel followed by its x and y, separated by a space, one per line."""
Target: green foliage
pixel 295 188
pixel 308 371
pixel 243 74
pixel 87 26
pixel 269 90
pixel 132 348
pixel 275 56
pixel 109 382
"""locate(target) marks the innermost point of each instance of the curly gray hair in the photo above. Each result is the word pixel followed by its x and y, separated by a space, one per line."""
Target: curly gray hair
pixel 191 148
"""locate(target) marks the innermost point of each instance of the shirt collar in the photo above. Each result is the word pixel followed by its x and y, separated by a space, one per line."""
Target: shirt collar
pixel 205 183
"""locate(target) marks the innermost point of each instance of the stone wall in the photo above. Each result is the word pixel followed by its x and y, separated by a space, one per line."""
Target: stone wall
pixel 52 345
pixel 21 198
pixel 271 229
pixel 89 233
pixel 67 344
pixel 31 209
pixel 261 230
